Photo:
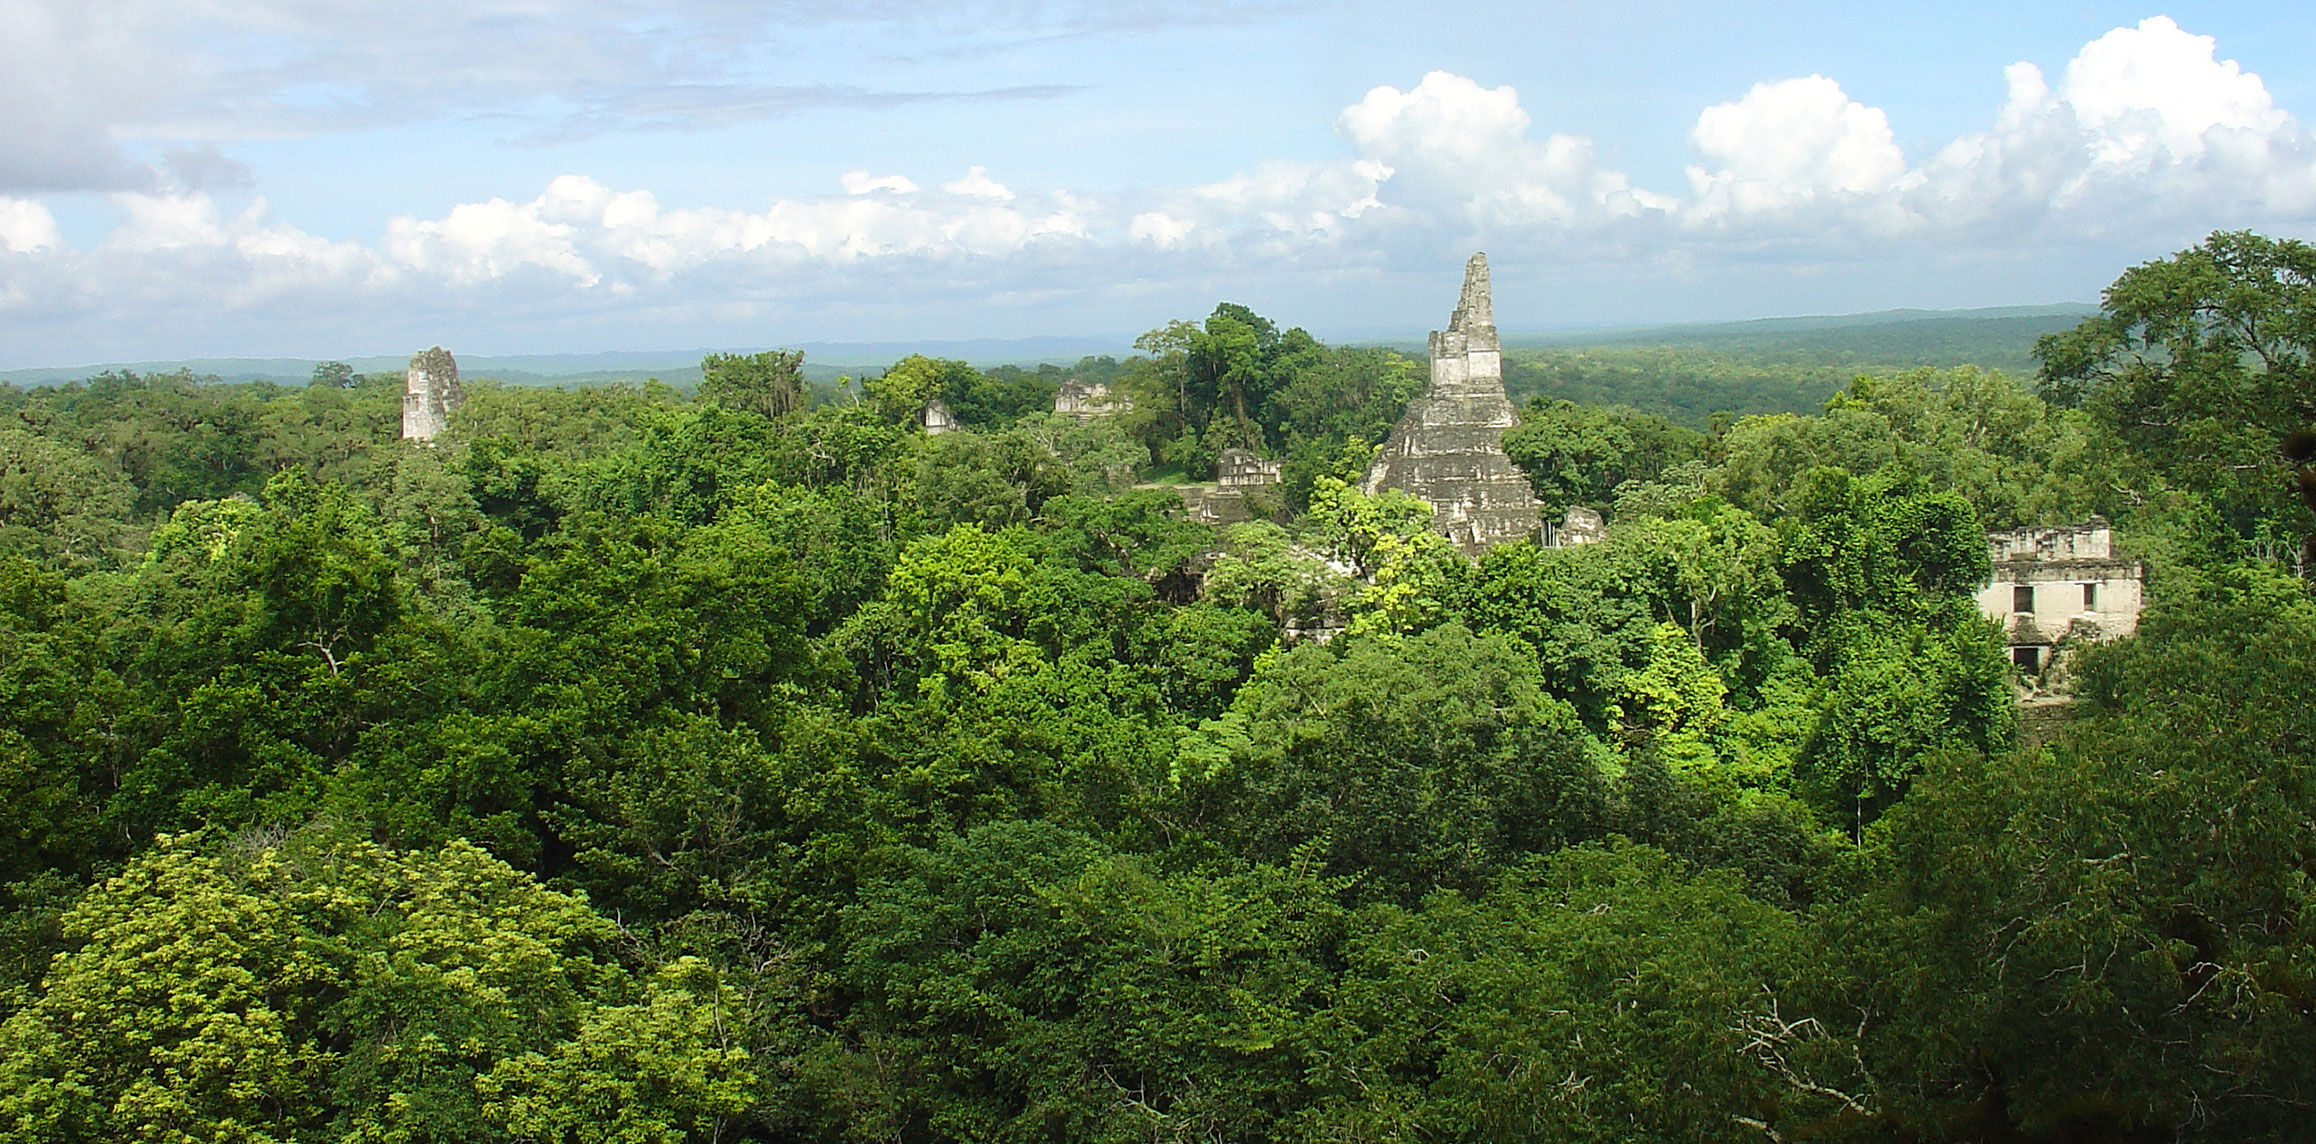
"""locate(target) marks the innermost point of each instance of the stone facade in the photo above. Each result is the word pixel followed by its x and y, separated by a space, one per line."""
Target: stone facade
pixel 1448 450
pixel 2056 586
pixel 938 419
pixel 1579 525
pixel 1241 469
pixel 1211 504
pixel 1086 402
pixel 430 394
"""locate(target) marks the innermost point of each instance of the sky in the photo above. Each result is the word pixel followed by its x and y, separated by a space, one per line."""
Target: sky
pixel 256 178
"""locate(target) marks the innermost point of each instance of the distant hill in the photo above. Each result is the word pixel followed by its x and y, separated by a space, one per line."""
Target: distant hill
pixel 1680 370
pixel 1780 365
pixel 1996 338
pixel 823 361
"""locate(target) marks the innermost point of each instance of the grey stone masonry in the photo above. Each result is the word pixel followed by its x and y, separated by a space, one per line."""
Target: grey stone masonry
pixel 1448 450
pixel 2054 587
pixel 1085 402
pixel 1241 469
pixel 430 394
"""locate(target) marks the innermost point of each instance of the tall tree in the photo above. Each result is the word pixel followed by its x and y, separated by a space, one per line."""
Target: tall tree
pixel 2199 366
pixel 770 383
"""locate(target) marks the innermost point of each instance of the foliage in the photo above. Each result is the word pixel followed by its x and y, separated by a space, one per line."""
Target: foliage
pixel 632 766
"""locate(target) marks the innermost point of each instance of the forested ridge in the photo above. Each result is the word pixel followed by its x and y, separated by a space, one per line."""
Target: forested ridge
pixel 634 765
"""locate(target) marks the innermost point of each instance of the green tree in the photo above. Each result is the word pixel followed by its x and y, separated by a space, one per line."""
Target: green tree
pixel 769 383
pixel 1414 762
pixel 321 988
pixel 2198 366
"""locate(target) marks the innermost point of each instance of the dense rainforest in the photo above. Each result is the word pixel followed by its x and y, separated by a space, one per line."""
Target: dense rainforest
pixel 630 765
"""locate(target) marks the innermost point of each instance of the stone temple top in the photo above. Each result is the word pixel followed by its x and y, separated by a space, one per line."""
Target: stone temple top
pixel 430 394
pixel 1448 450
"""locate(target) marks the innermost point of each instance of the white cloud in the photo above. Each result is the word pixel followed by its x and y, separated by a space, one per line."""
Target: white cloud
pixel 2146 132
pixel 1445 121
pixel 1458 152
pixel 1788 143
pixel 1160 229
pixel 862 183
pixel 977 184
pixel 2155 86
pixel 26 226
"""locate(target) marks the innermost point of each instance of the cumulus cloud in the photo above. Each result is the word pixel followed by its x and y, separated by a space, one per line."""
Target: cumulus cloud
pixel 26 226
pixel 2146 131
pixel 1788 143
pixel 976 183
pixel 1455 150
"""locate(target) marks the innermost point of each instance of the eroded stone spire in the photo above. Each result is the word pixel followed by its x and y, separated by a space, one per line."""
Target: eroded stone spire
pixel 430 394
pixel 1448 450
pixel 1475 308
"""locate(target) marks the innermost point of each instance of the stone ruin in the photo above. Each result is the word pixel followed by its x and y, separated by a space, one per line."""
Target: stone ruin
pixel 1579 525
pixel 1448 450
pixel 1237 472
pixel 431 393
pixel 1241 469
pixel 1086 402
pixel 2057 586
pixel 938 419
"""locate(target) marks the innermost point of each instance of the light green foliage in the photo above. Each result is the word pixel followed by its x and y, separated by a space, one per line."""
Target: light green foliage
pixel 663 1070
pixel 1358 530
pixel 328 989
pixel 1260 566
pixel 1675 703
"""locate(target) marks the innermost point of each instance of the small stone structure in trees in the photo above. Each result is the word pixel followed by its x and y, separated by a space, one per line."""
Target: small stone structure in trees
pixel 431 393
pixel 1086 402
pixel 938 419
pixel 1448 450
pixel 1242 469
pixel 1579 525
pixel 2057 586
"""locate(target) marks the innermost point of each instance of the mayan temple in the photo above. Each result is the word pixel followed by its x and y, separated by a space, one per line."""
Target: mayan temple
pixel 1448 450
pixel 430 394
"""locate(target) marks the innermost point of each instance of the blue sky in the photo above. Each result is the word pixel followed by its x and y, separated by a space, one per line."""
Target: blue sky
pixel 276 177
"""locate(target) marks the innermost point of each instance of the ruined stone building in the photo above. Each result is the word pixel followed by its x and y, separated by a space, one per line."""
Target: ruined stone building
pixel 2057 586
pixel 1086 402
pixel 1448 450
pixel 937 418
pixel 430 394
pixel 1579 525
pixel 1237 472
pixel 1241 469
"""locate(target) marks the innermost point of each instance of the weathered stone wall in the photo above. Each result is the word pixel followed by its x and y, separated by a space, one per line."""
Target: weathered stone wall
pixel 938 419
pixel 2055 586
pixel 1448 450
pixel 1579 525
pixel 1085 402
pixel 431 392
pixel 1240 468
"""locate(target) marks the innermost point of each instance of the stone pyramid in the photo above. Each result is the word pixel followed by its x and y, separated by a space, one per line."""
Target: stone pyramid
pixel 1448 450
